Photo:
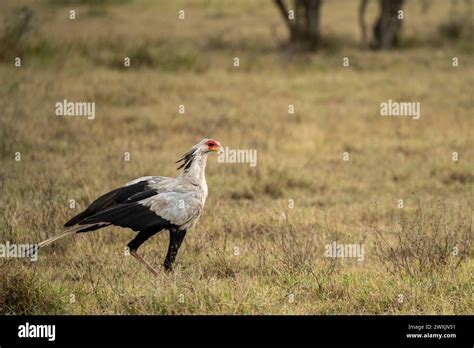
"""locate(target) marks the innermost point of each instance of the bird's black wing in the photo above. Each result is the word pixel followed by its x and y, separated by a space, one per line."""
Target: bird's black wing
pixel 130 213
pixel 111 199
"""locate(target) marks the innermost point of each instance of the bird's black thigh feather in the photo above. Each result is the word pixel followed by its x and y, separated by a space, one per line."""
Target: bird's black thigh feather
pixel 176 238
pixel 141 237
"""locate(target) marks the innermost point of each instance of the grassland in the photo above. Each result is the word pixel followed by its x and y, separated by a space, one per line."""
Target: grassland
pixel 280 268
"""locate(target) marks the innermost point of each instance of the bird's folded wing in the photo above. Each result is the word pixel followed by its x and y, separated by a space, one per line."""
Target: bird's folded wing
pixel 151 210
pixel 117 196
pixel 178 208
pixel 152 203
pixel 150 180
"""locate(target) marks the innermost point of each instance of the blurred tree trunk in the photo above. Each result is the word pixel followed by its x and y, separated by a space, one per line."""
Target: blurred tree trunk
pixel 388 25
pixel 363 27
pixel 304 27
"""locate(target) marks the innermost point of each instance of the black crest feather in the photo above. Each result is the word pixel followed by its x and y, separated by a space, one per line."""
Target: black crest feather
pixel 187 159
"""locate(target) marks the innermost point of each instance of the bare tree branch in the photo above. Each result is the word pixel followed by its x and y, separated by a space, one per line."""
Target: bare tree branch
pixel 284 12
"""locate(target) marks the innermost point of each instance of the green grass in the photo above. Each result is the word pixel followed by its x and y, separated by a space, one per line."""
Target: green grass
pixel 409 265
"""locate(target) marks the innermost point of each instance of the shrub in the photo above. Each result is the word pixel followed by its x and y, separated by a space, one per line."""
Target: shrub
pixel 21 294
pixel 430 240
pixel 16 26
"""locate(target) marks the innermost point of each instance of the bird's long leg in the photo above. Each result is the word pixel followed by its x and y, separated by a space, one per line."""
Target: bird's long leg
pixel 141 237
pixel 176 238
pixel 142 260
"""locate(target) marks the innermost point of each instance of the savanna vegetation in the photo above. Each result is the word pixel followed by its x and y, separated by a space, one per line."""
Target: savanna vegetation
pixel 260 245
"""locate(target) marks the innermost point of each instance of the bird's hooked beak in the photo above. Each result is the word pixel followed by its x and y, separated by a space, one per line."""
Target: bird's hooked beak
pixel 220 150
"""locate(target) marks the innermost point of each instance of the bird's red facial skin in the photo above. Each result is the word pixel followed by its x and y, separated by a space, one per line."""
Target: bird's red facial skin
pixel 213 145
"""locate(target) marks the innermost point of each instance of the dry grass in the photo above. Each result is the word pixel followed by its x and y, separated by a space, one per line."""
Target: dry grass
pixel 280 266
pixel 425 242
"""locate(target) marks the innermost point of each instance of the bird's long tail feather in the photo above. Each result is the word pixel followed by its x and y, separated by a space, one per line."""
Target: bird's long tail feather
pixel 55 238
pixel 62 235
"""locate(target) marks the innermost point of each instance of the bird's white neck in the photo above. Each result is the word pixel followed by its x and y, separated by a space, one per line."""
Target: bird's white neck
pixel 197 169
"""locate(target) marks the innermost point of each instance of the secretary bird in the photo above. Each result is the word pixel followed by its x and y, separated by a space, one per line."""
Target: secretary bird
pixel 150 204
